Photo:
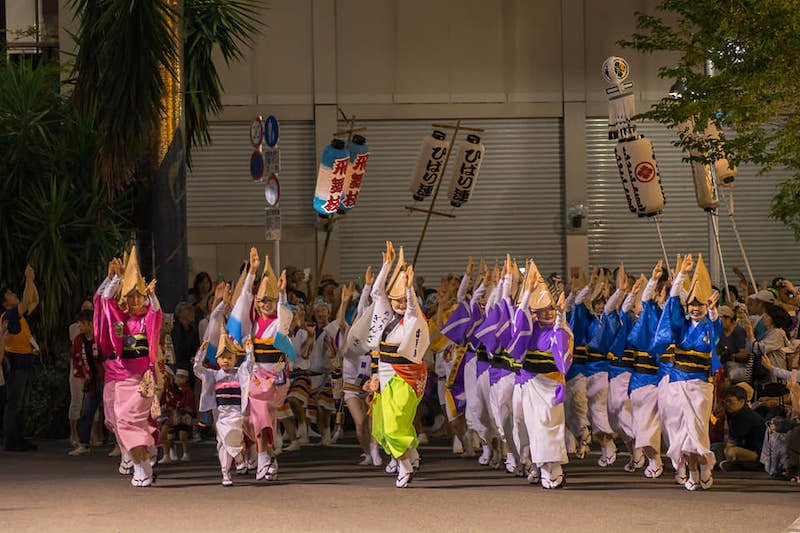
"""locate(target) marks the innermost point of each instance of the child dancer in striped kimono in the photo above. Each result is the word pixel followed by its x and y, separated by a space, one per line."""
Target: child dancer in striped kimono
pixel 230 394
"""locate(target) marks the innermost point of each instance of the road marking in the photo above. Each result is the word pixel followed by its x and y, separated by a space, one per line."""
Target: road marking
pixel 795 527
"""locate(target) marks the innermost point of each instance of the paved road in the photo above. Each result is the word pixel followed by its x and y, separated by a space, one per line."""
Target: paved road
pixel 320 489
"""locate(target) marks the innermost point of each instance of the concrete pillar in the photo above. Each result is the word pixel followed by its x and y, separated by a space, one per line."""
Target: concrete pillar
pixel 574 125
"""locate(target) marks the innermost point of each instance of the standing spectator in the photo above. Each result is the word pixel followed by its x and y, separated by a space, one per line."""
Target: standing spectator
pixel 20 350
pixel 77 379
pixel 732 346
pixel 86 367
pixel 201 288
pixel 185 336
pixel 75 327
pixel 3 363
pixel 745 432
pixel 294 279
pixel 326 294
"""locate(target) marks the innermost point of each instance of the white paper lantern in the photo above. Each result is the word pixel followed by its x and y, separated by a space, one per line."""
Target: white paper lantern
pixel 465 173
pixel 639 165
pixel 430 164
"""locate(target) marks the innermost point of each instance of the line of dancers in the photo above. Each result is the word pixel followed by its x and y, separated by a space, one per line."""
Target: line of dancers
pixel 527 369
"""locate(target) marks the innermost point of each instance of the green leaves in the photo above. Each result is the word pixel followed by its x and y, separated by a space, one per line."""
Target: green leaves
pixel 754 95
pixel 228 25
pixel 124 45
pixel 57 215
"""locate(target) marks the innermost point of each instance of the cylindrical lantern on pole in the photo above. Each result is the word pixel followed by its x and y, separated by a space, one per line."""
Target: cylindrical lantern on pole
pixel 429 165
pixel 625 177
pixel 465 173
pixel 641 169
pixel 331 178
pixel 359 154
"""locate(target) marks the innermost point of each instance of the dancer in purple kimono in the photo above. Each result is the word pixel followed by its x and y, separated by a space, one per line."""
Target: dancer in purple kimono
pixel 542 345
pixel 461 328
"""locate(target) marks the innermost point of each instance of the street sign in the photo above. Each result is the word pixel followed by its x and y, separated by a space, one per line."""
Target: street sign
pixel 272 160
pixel 272 223
pixel 257 165
pixel 271 131
pixel 257 132
pixel 272 190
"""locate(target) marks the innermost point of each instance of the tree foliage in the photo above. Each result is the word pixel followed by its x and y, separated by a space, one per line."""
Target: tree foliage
pixel 56 212
pixel 754 94
pixel 123 48
pixel 227 26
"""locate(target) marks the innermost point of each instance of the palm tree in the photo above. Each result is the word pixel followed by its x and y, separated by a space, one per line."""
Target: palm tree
pixel 144 71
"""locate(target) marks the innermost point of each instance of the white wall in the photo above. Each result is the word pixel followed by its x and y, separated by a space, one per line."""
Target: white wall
pixel 385 59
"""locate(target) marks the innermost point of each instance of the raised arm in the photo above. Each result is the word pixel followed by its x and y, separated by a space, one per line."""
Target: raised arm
pixel 239 323
pixel 285 313
pixel 30 295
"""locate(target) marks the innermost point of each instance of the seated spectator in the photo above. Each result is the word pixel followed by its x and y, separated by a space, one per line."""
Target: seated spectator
pixel 732 346
pixel 772 343
pixel 745 432
pixel 788 299
pixel 756 307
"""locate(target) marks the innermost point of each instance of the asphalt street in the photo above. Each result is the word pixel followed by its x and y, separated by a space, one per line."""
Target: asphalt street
pixel 321 489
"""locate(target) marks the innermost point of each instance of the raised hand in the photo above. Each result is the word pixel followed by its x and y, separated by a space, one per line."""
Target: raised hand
pixel 348 291
pixel 151 287
pixel 282 281
pixel 687 264
pixel 391 254
pixel 30 275
pixel 369 276
pixel 255 261
pixel 658 270
pixel 410 277
pixel 470 267
pixel 712 302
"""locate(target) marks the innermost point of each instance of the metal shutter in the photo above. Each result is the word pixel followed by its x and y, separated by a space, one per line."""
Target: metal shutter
pixel 516 206
pixel 616 234
pixel 221 193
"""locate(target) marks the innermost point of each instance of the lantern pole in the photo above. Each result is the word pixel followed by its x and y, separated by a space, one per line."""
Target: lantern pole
pixel 430 211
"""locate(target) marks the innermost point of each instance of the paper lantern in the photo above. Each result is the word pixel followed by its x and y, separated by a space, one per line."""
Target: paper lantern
pixel 430 164
pixel 331 178
pixel 726 174
pixel 357 166
pixel 705 192
pixel 465 173
pixel 639 170
pixel 625 177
